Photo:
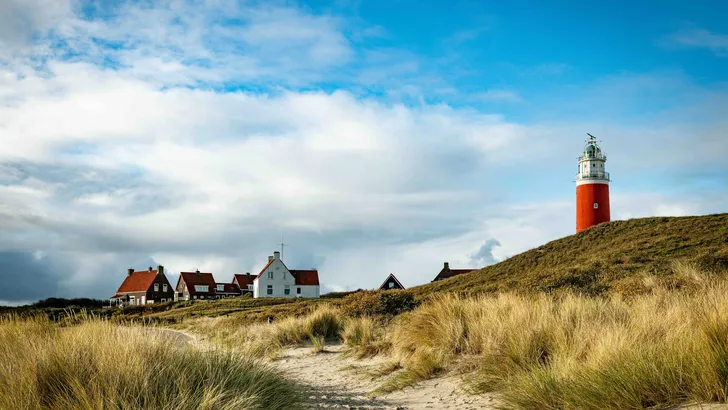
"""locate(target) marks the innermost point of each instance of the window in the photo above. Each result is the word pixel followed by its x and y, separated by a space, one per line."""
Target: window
pixel 596 205
pixel 391 285
pixel 593 165
pixel 250 288
pixel 270 275
pixel 269 291
pixel 194 297
pixel 164 287
pixel 163 300
pixel 220 288
pixel 287 290
pixel 298 291
pixel 156 287
pixel 284 274
pixel 202 288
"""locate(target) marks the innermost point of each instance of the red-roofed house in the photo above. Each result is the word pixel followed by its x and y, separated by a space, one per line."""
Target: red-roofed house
pixel 195 285
pixel 245 281
pixel 391 283
pixel 226 290
pixel 275 280
pixel 446 272
pixel 142 287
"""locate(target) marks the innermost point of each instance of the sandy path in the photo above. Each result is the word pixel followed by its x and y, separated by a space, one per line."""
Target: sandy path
pixel 333 381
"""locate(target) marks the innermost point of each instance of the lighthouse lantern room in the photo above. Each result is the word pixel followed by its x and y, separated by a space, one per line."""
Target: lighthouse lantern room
pixel 592 187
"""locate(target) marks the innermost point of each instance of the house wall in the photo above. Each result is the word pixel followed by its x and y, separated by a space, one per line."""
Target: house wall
pixel 281 278
pixel 156 297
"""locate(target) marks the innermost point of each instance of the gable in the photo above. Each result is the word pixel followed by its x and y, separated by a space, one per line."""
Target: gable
pixel 243 280
pixel 393 279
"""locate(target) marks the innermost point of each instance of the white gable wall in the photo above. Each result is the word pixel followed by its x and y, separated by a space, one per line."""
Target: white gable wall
pixel 281 278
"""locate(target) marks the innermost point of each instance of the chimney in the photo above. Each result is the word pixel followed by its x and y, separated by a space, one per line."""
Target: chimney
pixel 197 272
pixel 160 270
pixel 129 271
pixel 277 255
pixel 270 258
pixel 247 273
pixel 150 269
pixel 447 265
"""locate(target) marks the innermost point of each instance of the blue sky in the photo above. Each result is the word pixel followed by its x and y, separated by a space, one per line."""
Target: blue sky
pixel 377 137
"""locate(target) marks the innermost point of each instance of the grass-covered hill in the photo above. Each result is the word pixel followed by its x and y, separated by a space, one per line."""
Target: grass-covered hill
pixel 618 257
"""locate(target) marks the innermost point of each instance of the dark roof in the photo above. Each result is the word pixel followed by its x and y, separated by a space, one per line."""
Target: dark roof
pixel 448 273
pixel 306 277
pixel 244 279
pixel 229 288
pixel 138 281
pixel 391 275
pixel 193 278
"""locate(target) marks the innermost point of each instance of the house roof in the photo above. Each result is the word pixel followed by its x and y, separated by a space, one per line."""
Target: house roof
pixel 244 279
pixel 306 277
pixel 391 275
pixel 448 273
pixel 229 288
pixel 193 278
pixel 139 281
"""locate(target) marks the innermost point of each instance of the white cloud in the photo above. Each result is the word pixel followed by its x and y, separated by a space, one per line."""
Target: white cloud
pixel 151 158
pixel 497 95
pixel 717 43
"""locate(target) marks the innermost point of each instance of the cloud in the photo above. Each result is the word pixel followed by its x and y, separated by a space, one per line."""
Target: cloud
pixel 162 133
pixel 699 38
pixel 484 255
pixel 497 95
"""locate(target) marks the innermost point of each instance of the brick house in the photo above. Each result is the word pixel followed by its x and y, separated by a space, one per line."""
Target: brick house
pixel 143 287
pixel 195 285
pixel 391 283
pixel 446 272
pixel 244 281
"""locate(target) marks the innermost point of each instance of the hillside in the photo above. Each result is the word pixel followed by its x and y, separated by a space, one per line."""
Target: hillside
pixel 611 257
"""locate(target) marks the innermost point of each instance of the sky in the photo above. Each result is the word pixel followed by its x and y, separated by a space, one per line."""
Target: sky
pixel 371 137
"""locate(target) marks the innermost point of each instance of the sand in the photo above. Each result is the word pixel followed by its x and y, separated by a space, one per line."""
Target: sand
pixel 334 381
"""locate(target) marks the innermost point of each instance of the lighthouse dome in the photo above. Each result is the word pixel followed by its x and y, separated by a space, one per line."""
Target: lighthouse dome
pixel 592 150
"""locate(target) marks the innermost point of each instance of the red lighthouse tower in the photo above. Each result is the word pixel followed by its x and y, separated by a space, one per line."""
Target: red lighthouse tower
pixel 592 187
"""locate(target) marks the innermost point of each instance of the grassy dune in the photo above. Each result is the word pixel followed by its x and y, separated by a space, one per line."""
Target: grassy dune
pixel 663 347
pixel 98 365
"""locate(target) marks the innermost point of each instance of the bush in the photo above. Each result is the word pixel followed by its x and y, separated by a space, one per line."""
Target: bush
pixel 378 303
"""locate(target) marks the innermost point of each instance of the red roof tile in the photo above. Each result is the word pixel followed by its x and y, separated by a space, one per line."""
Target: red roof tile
pixel 138 281
pixel 243 279
pixel 193 278
pixel 306 277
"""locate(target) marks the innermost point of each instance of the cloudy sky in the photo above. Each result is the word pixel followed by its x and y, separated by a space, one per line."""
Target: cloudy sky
pixel 374 136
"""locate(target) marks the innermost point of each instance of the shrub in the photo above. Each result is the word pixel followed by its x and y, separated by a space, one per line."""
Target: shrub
pixel 378 303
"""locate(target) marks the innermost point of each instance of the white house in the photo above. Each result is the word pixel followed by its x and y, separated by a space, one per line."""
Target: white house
pixel 276 281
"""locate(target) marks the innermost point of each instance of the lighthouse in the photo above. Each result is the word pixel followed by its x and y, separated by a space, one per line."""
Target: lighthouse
pixel 592 187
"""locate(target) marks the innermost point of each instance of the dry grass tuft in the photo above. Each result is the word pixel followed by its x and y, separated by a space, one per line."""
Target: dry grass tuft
pixel 97 365
pixel 575 352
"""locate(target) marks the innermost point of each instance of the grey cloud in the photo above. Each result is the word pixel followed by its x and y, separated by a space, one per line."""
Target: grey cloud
pixel 26 276
pixel 484 255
